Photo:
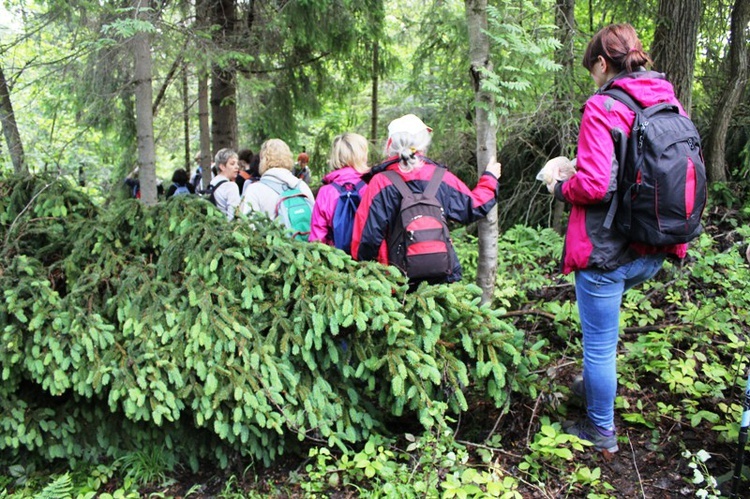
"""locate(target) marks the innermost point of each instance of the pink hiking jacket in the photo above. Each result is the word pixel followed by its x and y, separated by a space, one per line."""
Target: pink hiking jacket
pixel 587 243
pixel 321 224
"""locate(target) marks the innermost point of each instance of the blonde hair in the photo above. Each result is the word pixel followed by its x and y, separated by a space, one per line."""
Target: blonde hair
pixel 349 149
pixel 406 145
pixel 274 153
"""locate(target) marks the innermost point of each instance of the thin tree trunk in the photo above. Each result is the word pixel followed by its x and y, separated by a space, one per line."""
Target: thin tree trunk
pixel 736 66
pixel 144 114
pixel 675 42
pixel 479 56
pixel 224 81
pixel 10 127
pixel 167 81
pixel 205 132
pixel 374 102
pixel 186 115
pixel 203 20
pixel 564 92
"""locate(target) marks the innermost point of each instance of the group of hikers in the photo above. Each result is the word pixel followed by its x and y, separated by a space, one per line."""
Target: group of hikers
pixel 395 213
pixel 356 207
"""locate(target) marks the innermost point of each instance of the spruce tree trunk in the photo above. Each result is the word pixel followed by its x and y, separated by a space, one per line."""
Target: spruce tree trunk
pixel 224 81
pixel 479 56
pixel 374 101
pixel 144 114
pixel 564 92
pixel 675 42
pixel 736 67
pixel 10 127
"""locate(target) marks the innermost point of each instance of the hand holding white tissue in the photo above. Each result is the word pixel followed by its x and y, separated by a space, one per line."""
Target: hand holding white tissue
pixel 556 170
pixel 495 168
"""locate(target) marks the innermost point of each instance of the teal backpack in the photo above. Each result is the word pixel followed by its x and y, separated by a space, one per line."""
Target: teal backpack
pixel 293 209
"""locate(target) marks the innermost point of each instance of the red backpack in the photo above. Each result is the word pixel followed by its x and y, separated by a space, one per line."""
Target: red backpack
pixel 419 243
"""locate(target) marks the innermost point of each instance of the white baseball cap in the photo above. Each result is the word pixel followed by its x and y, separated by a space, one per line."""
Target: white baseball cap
pixel 408 123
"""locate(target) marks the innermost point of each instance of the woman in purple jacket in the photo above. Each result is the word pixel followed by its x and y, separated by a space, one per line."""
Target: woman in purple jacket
pixel 349 163
pixel 605 263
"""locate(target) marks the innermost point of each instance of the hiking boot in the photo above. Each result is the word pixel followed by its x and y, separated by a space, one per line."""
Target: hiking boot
pixel 604 440
pixel 578 388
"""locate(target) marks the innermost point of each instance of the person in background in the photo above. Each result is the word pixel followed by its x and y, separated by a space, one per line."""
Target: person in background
pixel 604 262
pixel 253 171
pixel 245 156
pixel 197 177
pixel 225 193
pixel 133 183
pixel 180 184
pixel 301 170
pixel 408 141
pixel 275 170
pixel 349 163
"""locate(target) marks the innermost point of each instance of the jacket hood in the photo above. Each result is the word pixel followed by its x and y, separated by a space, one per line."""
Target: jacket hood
pixel 282 176
pixel 646 87
pixel 342 175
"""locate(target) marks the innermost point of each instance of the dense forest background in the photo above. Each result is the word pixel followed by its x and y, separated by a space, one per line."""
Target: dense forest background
pixel 149 349
pixel 306 71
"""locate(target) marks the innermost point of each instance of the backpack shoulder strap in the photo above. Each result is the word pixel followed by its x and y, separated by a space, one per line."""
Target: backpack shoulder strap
pixel 622 96
pixel 398 182
pixel 429 191
pixel 277 187
pixel 434 184
pixel 217 184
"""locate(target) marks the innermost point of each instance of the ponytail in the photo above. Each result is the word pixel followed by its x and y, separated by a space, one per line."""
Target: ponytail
pixel 620 46
pixel 408 146
pixel 636 58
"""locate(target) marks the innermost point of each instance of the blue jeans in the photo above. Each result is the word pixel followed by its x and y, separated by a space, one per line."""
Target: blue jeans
pixel 599 296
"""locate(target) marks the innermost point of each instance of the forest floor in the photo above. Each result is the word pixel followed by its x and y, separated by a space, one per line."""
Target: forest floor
pixel 649 464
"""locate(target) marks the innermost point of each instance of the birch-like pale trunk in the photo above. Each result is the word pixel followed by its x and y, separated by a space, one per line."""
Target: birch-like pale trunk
pixel 479 56
pixel 10 127
pixel 144 118
pixel 564 93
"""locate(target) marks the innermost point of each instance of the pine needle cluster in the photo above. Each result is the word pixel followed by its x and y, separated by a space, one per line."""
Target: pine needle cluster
pixel 133 326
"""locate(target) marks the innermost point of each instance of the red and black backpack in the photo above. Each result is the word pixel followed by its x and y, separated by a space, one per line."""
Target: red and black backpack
pixel 419 241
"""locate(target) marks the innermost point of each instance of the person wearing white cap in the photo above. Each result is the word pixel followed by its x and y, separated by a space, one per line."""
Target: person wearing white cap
pixel 377 217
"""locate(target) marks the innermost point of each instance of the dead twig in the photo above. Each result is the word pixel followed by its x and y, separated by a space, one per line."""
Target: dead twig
pixel 531 421
pixel 635 464
pixel 517 313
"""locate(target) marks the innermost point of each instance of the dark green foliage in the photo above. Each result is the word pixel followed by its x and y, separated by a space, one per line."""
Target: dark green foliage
pixel 136 326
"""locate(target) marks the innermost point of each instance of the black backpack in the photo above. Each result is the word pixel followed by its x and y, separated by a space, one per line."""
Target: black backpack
pixel 419 243
pixel 209 192
pixel 661 183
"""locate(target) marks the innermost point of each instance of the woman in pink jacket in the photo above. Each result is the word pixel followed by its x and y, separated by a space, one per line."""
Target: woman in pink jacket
pixel 605 263
pixel 349 163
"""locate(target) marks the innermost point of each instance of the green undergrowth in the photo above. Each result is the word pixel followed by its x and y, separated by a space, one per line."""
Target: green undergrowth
pixel 141 343
pixel 128 327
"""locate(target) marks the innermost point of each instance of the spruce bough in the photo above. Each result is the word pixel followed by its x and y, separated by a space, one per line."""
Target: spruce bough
pixel 129 326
